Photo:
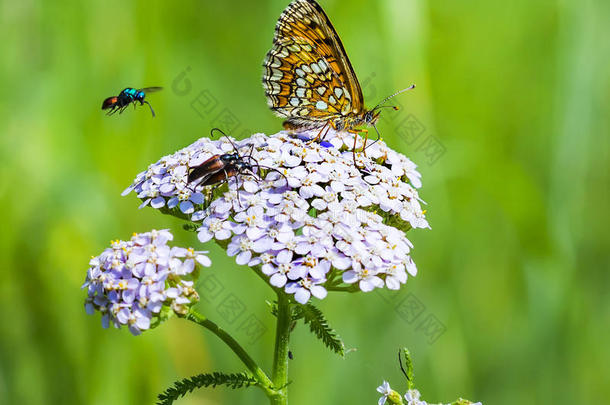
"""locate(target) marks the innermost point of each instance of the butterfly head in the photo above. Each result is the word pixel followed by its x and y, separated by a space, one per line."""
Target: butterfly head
pixel 371 117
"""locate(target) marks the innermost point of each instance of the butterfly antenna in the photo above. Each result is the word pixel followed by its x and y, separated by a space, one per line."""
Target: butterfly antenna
pixel 226 136
pixel 393 95
pixel 376 140
pixel 151 109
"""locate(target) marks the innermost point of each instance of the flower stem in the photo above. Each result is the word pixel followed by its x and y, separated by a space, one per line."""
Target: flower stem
pixel 264 382
pixel 280 358
pixel 349 288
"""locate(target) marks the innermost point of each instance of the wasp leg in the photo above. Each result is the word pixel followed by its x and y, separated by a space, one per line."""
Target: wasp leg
pixel 151 109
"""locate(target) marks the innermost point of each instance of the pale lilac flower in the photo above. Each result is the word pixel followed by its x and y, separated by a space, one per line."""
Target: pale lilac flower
pixel 395 276
pixel 130 282
pixel 305 288
pixel 214 226
pixel 279 268
pixel 366 278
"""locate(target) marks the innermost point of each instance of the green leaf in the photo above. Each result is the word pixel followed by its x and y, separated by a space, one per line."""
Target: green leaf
pixel 186 385
pixel 313 317
pixel 407 367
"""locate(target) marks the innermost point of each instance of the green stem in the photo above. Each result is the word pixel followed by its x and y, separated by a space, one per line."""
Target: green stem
pixel 263 380
pixel 280 357
pixel 351 288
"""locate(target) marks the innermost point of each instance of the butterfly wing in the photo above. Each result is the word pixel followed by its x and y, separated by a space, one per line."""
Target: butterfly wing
pixel 308 77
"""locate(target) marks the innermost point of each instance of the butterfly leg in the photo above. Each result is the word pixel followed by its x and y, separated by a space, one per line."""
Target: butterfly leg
pixel 320 137
pixel 326 132
pixel 356 133
pixel 376 140
pixel 366 138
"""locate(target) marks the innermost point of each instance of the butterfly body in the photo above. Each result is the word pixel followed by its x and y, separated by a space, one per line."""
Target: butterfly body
pixel 126 97
pixel 308 78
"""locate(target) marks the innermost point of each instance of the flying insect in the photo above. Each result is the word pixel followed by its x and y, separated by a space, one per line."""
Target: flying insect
pixel 128 96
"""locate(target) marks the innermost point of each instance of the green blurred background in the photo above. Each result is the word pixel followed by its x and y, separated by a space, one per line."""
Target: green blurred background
pixel 515 267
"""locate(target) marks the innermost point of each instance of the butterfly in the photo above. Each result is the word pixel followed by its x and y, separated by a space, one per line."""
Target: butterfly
pixel 308 78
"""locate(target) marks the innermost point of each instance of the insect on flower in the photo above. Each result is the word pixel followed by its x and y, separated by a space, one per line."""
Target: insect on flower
pixel 128 96
pixel 221 167
pixel 310 81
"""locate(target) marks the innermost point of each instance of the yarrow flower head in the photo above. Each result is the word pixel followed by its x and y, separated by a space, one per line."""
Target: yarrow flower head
pixel 139 282
pixel 318 221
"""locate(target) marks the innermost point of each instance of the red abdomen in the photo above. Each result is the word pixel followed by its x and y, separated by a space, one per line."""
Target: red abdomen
pixel 109 102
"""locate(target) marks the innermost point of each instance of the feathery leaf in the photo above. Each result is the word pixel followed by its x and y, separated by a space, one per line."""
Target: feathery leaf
pixel 186 385
pixel 320 327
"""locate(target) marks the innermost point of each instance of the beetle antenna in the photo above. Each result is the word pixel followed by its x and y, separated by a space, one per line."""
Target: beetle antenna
pixel 271 169
pixel 226 136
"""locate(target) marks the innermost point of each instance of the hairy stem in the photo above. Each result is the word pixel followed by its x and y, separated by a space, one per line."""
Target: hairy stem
pixel 280 358
pixel 264 382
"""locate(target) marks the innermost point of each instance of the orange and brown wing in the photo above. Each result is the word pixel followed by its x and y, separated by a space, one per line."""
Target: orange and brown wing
pixel 308 78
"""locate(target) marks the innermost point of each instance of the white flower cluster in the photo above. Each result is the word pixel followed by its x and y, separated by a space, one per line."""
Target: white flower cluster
pixel 411 397
pixel 324 223
pixel 131 282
